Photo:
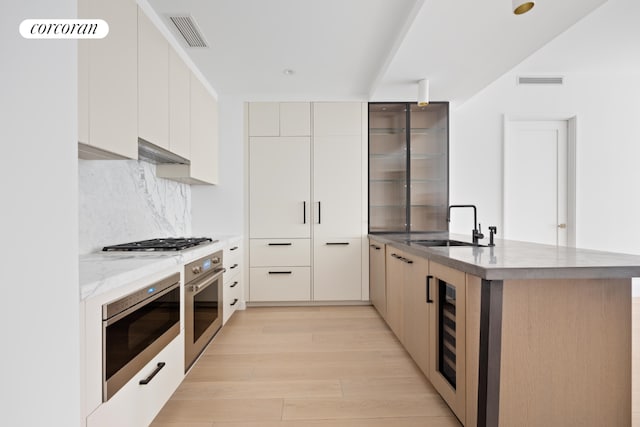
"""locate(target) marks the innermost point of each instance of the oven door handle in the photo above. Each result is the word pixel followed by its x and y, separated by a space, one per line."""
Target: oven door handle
pixel 207 282
pixel 114 319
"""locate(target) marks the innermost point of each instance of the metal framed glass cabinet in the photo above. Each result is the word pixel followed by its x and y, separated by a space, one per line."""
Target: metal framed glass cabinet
pixel 408 167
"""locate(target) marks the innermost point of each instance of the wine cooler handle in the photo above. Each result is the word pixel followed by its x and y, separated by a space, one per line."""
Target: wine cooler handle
pixel 429 300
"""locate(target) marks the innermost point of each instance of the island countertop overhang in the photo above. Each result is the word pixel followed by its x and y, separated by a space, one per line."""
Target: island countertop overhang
pixel 515 260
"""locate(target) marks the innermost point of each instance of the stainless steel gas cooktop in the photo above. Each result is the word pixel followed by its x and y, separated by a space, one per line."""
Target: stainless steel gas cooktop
pixel 167 244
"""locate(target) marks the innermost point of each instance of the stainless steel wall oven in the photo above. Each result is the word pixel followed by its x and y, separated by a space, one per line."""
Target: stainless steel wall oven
pixel 135 328
pixel 202 304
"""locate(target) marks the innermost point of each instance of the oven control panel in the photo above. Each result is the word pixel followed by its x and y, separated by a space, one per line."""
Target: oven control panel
pixel 206 265
pixel 124 303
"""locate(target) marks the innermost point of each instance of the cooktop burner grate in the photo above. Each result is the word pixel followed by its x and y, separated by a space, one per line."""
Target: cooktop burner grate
pixel 168 244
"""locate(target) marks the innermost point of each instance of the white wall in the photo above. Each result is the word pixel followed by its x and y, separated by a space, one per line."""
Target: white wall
pixel 39 320
pixel 219 209
pixel 600 60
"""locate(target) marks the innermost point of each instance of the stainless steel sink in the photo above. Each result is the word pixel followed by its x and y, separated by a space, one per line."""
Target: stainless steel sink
pixel 441 242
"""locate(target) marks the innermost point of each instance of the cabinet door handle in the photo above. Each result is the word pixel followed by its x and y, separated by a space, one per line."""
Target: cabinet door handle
pixel 233 285
pixel 429 300
pixel 337 243
pixel 147 380
pixel 235 300
pixel 233 266
pixel 304 212
pixel 280 272
pixel 377 248
pixel 396 256
pixel 407 260
pixel 319 213
pixel 233 248
pixel 280 244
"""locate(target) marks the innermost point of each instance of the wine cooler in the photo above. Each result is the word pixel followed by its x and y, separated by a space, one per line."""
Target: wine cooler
pixel 446 293
pixel 447 331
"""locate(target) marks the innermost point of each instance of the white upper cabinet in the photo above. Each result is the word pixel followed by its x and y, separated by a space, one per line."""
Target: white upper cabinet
pixel 264 119
pixel 204 134
pixel 337 118
pixel 179 106
pixel 279 119
pixel 132 85
pixel 153 83
pixel 108 84
pixel 203 139
pixel 295 119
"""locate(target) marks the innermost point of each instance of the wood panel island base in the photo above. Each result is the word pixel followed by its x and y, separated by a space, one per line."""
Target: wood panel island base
pixel 524 335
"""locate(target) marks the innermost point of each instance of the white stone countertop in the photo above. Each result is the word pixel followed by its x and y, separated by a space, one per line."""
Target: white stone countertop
pixel 510 259
pixel 103 271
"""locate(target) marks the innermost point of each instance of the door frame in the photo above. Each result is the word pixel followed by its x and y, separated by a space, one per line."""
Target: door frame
pixel 572 126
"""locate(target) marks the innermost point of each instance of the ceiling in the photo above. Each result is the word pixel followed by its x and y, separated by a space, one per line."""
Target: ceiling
pixel 365 49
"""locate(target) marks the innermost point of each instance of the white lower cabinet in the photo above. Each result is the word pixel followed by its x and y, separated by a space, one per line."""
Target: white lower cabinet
pixel 337 273
pixel 232 280
pixel 280 252
pixel 272 284
pixel 137 405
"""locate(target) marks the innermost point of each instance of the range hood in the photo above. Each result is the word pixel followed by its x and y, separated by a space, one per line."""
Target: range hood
pixel 158 155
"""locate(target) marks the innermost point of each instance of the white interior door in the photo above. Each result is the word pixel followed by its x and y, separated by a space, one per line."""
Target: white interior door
pixel 535 182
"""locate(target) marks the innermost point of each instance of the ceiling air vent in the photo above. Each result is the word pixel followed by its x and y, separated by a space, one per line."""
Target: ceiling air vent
pixel 189 30
pixel 540 80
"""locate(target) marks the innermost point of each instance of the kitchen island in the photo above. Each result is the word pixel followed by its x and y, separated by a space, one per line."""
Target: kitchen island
pixel 534 334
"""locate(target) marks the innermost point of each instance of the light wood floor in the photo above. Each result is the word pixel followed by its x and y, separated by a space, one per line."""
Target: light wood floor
pixel 317 366
pixel 305 366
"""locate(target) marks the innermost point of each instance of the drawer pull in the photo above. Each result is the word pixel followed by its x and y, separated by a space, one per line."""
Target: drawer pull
pixel 235 300
pixel 337 243
pixel 233 266
pixel 233 248
pixel 280 244
pixel 233 285
pixel 377 248
pixel 280 272
pixel 153 374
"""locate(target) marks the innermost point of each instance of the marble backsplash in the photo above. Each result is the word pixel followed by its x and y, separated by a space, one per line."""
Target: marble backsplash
pixel 123 201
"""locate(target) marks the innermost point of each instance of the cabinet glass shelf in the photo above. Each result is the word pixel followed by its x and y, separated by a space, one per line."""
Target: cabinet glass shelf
pixel 408 167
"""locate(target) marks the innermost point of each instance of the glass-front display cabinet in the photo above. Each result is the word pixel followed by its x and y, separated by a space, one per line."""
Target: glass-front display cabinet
pixel 408 167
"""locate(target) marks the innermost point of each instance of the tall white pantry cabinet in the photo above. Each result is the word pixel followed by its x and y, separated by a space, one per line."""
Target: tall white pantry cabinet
pixel 306 210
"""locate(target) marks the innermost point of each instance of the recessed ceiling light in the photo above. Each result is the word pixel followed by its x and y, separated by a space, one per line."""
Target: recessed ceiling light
pixel 288 72
pixel 519 6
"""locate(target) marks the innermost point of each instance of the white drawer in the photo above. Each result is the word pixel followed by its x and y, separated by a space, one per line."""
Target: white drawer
pixel 136 405
pixel 232 254
pixel 280 252
pixel 232 297
pixel 280 284
pixel 232 261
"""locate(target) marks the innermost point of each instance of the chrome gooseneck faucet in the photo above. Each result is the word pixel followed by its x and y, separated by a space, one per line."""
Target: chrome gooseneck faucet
pixel 476 234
